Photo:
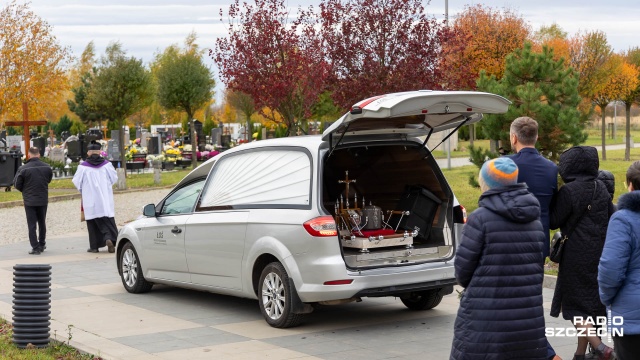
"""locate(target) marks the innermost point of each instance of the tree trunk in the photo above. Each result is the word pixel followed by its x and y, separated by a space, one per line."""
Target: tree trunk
pixel 604 134
pixel 122 182
pixel 627 148
pixel 194 143
pixel 472 134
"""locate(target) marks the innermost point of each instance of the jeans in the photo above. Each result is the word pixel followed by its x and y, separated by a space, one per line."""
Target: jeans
pixel 36 216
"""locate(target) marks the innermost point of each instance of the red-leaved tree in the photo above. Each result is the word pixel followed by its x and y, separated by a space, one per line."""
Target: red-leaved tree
pixel 382 46
pixel 272 57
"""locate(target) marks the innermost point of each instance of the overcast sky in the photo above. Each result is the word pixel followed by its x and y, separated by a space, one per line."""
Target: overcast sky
pixel 146 27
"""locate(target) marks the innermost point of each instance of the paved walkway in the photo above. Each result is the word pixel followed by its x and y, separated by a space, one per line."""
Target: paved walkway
pixel 170 323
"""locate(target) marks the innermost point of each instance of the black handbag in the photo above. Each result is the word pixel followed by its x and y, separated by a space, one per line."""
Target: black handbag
pixel 558 240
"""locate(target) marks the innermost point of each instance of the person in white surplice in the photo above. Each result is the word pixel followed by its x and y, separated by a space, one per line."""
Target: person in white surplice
pixel 94 179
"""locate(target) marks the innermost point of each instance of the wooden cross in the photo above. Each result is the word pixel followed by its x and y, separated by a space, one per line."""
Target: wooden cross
pixel 346 182
pixel 51 135
pixel 25 123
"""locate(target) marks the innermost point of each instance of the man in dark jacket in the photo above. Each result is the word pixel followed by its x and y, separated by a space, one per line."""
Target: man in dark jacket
pixel 539 173
pixel 32 179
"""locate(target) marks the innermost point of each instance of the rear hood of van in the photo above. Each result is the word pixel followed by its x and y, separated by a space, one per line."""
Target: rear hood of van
pixel 416 113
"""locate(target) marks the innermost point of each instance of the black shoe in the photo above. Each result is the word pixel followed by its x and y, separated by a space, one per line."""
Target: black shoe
pixel 35 251
pixel 92 250
pixel 111 248
pixel 42 248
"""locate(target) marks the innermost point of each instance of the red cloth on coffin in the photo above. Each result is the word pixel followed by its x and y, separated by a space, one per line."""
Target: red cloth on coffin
pixel 376 232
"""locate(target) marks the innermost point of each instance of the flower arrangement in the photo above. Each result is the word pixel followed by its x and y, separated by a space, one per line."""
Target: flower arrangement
pixel 172 151
pixel 187 147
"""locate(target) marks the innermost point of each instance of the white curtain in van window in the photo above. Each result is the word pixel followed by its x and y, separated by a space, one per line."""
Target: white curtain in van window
pixel 277 177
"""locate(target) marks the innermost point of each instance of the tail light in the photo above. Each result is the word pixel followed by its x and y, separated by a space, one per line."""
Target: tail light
pixel 460 214
pixel 321 226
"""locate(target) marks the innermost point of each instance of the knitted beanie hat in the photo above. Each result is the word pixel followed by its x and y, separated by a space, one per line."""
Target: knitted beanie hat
pixel 499 172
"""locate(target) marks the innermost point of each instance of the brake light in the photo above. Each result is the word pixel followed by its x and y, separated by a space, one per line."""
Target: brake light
pixel 464 214
pixel 338 282
pixel 459 214
pixel 321 226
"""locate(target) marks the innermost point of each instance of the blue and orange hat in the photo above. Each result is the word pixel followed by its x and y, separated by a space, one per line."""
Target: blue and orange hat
pixel 498 172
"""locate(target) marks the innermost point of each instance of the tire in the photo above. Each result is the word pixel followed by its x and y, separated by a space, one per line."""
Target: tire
pixel 274 297
pixel 131 271
pixel 424 300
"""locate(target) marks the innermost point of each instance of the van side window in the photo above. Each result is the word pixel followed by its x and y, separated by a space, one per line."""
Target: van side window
pixel 261 179
pixel 183 200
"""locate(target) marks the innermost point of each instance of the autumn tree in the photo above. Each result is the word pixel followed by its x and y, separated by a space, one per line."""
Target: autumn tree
pixel 543 89
pixel 492 35
pixel 275 60
pixel 81 77
pixel 184 83
pixel 244 104
pixel 554 37
pixel 621 82
pixel 32 63
pixel 632 58
pixel 588 55
pixel 121 87
pixel 381 46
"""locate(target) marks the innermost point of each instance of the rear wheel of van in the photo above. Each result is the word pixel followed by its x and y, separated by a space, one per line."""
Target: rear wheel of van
pixel 274 296
pixel 423 300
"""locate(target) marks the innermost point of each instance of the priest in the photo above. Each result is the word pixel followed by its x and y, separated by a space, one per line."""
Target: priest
pixel 94 179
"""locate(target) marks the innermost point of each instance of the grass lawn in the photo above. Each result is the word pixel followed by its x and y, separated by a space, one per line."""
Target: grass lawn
pixel 55 351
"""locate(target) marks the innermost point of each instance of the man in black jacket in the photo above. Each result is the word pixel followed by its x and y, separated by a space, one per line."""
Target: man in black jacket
pixel 32 179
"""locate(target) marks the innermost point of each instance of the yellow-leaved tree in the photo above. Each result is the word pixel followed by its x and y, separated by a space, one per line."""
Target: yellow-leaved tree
pixel 32 64
pixel 621 79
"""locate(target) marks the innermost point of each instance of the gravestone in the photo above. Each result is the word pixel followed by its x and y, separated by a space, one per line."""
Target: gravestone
pixel 14 141
pixel 215 136
pixel 153 145
pixel 271 134
pixel 57 154
pixel 3 134
pixel 40 143
pixel 225 141
pixel 65 135
pixel 113 151
pixel 74 149
pixel 144 140
pixel 201 140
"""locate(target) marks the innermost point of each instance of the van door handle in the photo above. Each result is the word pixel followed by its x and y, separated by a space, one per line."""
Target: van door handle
pixel 176 230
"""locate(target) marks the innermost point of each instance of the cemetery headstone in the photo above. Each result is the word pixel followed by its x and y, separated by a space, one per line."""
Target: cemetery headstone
pixel 57 154
pixel 225 141
pixel 65 135
pixel 153 145
pixel 40 143
pixel 215 136
pixel 14 141
pixel 113 151
pixel 74 149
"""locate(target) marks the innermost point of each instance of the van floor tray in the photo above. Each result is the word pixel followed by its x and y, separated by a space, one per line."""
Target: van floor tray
pixel 364 243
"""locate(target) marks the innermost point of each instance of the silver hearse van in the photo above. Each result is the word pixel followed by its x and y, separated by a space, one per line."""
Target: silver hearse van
pixel 361 211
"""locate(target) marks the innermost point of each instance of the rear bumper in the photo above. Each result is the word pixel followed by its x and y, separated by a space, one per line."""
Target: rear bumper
pixel 446 285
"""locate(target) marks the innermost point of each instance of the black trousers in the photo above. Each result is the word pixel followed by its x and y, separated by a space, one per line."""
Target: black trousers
pixel 36 215
pixel 627 347
pixel 100 230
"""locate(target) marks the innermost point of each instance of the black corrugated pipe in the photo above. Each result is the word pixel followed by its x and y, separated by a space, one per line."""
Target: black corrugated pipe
pixel 31 305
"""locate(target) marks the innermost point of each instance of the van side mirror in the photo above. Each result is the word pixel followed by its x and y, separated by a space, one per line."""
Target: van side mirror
pixel 149 210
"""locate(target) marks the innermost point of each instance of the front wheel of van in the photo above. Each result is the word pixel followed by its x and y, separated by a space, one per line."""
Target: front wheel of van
pixel 275 297
pixel 424 300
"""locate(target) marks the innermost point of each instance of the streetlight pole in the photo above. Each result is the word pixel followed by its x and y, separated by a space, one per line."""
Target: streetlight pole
pixel 446 20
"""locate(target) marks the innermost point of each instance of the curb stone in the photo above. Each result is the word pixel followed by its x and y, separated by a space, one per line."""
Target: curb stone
pixel 8 204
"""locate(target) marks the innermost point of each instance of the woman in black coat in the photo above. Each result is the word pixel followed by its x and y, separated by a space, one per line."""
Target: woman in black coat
pixel 499 263
pixel 581 210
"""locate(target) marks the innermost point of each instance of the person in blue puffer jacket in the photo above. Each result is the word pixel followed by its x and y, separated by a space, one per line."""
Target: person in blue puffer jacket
pixel 499 263
pixel 619 268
